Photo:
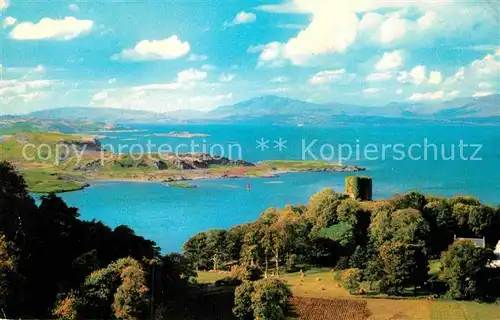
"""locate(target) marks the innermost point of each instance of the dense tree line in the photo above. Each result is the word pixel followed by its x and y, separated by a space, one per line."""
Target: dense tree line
pixel 52 263
pixel 387 242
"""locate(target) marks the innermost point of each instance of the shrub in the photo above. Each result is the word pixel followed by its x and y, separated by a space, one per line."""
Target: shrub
pixel 270 299
pixel 352 278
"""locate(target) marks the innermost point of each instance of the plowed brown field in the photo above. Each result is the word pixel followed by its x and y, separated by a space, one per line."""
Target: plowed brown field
pixel 329 309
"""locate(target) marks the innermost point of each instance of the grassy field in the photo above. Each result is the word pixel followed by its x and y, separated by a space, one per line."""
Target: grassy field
pixel 43 180
pixel 320 284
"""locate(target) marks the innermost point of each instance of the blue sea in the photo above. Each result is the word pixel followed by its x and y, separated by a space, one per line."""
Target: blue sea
pixel 170 216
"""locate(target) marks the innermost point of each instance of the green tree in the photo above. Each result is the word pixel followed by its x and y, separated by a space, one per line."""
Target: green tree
pixel 464 269
pixel 403 265
pixel 481 219
pixel 461 213
pixel 322 208
pixel 119 290
pixel 270 299
pixel 412 199
pixel 130 299
pixel 195 250
pixel 348 211
pixel 441 225
pixel 243 308
pixel 373 271
pixel 215 246
pixel 409 226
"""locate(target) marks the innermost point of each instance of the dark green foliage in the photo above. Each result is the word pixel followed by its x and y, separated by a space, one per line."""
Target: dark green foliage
pixel 119 290
pixel 403 265
pixel 412 199
pixel 243 308
pixel 270 299
pixel 464 269
pixel 359 258
pixel 264 299
pixel 342 233
pixel 359 188
pixel 321 210
pixel 441 225
pixel 54 250
pixel 348 211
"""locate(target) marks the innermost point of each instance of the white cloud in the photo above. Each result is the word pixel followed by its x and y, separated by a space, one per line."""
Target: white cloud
pixel 369 91
pixel 166 49
pixel 428 96
pixel 112 80
pixel 435 77
pixel 271 54
pixel 488 66
pixel 279 80
pixel 26 90
pixel 417 75
pixel 332 29
pixel 27 97
pixel 207 67
pixel 242 18
pixel 399 91
pixel 485 85
pixel 191 75
pixel 479 71
pixel 335 26
pixel 390 61
pixel 227 77
pixel 26 72
pixel 47 28
pixel 392 29
pixel 480 94
pixel 8 22
pixel 185 79
pixel 73 7
pixel 197 57
pixel 453 94
pixel 327 76
pixel 4 4
pixel 379 76
pixel 427 20
pixel 370 21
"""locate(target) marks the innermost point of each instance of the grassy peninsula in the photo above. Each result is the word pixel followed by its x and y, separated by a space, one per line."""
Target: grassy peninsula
pixel 67 162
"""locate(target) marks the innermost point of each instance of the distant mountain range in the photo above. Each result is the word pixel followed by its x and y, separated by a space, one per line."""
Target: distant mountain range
pixel 275 109
pixel 15 124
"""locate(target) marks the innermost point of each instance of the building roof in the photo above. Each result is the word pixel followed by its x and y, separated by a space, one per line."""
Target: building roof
pixel 480 242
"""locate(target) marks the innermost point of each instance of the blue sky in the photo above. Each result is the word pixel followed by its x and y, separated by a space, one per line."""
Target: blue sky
pixel 181 55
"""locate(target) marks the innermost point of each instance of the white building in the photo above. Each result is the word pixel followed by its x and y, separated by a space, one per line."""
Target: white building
pixel 496 263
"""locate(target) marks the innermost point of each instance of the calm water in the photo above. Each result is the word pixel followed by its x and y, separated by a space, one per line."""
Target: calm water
pixel 170 216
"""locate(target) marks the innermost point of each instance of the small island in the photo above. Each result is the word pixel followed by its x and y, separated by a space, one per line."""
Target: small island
pixel 85 161
pixel 183 185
